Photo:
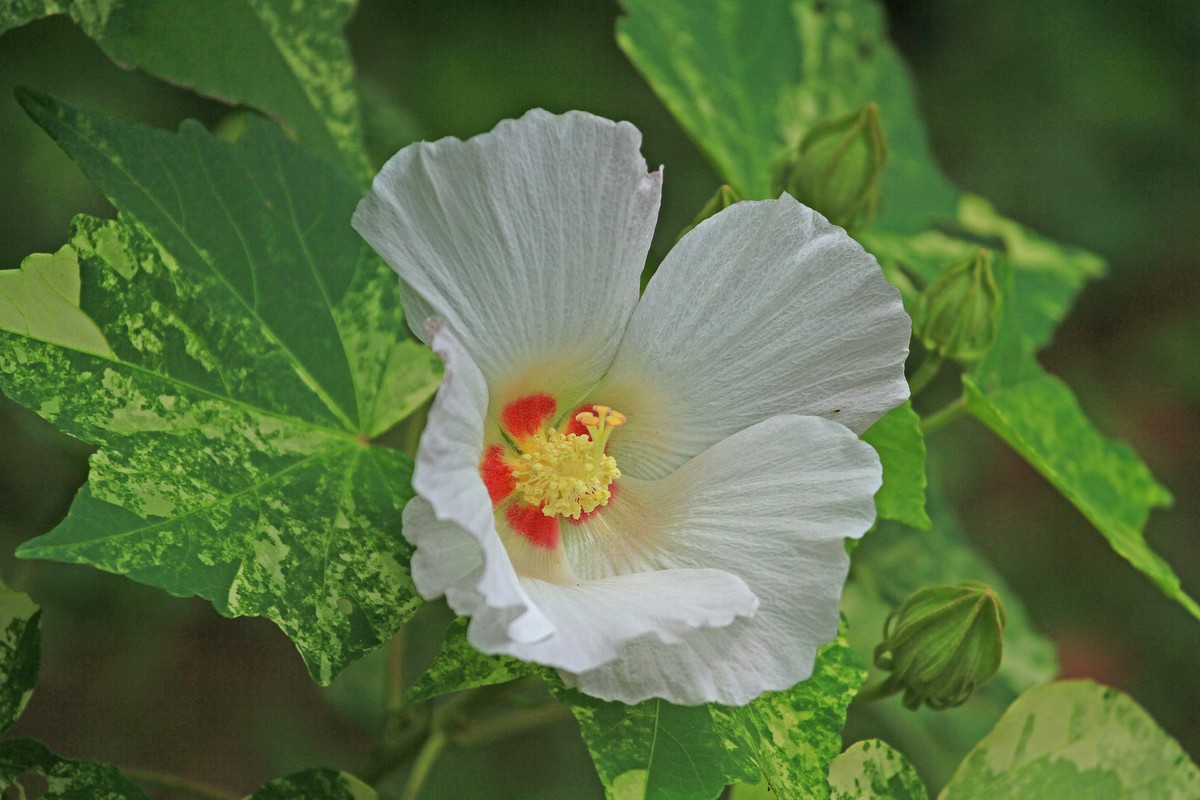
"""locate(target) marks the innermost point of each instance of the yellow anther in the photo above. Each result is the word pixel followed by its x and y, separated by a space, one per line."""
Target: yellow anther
pixel 599 426
pixel 567 474
pixel 562 474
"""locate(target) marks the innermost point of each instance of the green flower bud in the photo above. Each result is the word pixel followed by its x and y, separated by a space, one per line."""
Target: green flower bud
pixel 956 315
pixel 837 167
pixel 942 643
pixel 721 200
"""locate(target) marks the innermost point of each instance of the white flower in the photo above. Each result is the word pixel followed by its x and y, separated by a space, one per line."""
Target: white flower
pixel 711 567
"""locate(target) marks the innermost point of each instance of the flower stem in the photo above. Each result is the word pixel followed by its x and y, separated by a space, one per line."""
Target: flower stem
pixel 426 758
pixel 394 700
pixel 925 373
pixel 943 416
pixel 176 783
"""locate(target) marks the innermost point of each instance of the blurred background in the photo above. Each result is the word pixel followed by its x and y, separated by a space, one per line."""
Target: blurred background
pixel 1079 118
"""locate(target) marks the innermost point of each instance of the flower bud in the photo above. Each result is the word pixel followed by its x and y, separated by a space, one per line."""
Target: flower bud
pixel 837 167
pixel 956 315
pixel 721 200
pixel 942 643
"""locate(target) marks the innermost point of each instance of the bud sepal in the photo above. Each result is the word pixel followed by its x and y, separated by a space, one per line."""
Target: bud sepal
pixel 957 315
pixel 837 167
pixel 942 644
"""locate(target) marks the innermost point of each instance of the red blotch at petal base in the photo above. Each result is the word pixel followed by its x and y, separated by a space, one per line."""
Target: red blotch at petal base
pixel 529 522
pixel 527 415
pixel 497 476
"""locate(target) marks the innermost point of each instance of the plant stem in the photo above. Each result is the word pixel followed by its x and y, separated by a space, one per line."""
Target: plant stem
pixel 394 700
pixel 176 783
pixel 426 758
pixel 872 692
pixel 403 734
pixel 943 416
pixel 925 373
pixel 500 727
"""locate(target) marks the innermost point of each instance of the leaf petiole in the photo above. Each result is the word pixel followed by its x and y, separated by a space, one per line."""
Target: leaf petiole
pixel 176 783
pixel 943 416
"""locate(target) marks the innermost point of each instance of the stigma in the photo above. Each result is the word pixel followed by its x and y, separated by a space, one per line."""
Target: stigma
pixel 567 474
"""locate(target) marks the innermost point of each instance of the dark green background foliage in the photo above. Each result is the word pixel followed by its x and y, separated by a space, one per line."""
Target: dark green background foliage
pixel 1077 118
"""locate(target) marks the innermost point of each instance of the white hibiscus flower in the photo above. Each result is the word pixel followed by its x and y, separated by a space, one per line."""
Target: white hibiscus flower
pixel 690 545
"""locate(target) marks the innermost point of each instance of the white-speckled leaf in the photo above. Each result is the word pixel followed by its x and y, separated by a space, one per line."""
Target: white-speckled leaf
pixel 890 564
pixel 872 770
pixel 63 779
pixel 1075 739
pixel 658 751
pixel 286 58
pixel 458 666
pixel 20 653
pixel 316 784
pixel 244 347
pixel 792 736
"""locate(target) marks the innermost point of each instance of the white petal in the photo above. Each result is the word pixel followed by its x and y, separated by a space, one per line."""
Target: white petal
pixel 770 504
pixel 764 309
pixel 459 552
pixel 594 620
pixel 528 240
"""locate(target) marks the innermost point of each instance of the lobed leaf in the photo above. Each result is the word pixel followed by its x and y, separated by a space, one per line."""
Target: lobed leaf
pixel 459 666
pixel 231 346
pixel 872 770
pixel 311 784
pixel 20 653
pixel 287 59
pixel 659 751
pixel 792 736
pixel 1076 739
pixel 746 80
pixel 35 771
pixel 656 750
pixel 1040 419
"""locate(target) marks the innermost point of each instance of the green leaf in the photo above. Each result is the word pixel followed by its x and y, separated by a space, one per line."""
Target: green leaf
pixel 1076 739
pixel 288 59
pixel 746 80
pixel 64 779
pixel 897 437
pixel 15 13
pixel 890 564
pixel 1105 480
pixel 20 653
pixel 792 736
pixel 659 751
pixel 245 347
pixel 316 784
pixel 1042 278
pixel 1047 275
pixel 458 666
pixel 872 770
